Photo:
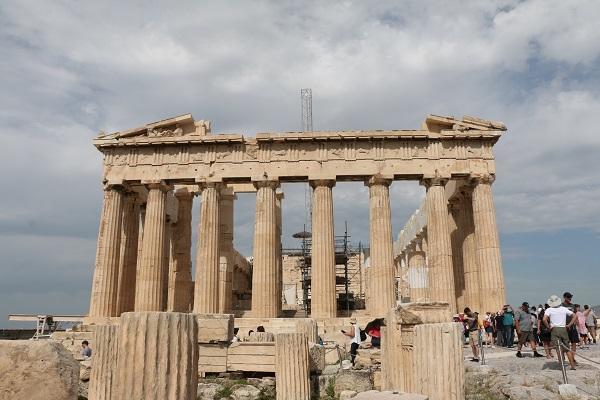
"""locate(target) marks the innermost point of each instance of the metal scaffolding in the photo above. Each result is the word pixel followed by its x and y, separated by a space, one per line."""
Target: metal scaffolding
pixel 345 272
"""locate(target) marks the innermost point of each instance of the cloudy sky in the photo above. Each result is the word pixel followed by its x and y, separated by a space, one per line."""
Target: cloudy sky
pixel 70 69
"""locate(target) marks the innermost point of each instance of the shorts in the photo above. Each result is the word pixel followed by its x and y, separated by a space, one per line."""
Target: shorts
pixel 489 329
pixel 545 336
pixel 560 334
pixel 573 334
pixel 525 336
pixel 474 337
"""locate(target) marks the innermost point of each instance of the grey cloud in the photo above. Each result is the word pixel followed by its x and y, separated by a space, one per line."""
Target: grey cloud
pixel 69 70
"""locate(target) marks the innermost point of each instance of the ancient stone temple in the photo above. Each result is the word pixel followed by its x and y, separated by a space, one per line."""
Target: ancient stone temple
pixel 153 174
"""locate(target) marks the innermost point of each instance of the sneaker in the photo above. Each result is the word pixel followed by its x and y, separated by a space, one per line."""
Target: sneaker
pixel 519 354
pixel 536 354
pixel 475 359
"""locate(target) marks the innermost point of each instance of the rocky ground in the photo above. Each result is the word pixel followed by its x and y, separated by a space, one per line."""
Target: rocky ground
pixel 507 377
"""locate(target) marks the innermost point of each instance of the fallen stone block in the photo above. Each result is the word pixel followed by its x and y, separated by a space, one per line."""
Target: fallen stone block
pixel 37 370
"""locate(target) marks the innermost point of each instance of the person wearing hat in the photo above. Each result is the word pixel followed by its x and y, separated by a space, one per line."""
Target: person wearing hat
pixel 555 319
pixel 524 325
pixel 353 333
pixel 573 333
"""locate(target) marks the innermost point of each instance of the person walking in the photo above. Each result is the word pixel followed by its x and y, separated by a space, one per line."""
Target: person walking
pixel 508 323
pixel 524 325
pixel 545 333
pixel 590 322
pixel 558 319
pixel 489 329
pixel 471 319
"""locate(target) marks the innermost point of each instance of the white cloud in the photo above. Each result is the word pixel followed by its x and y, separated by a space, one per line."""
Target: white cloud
pixel 69 69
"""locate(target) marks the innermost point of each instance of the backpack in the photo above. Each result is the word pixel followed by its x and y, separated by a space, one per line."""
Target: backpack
pixel 363 336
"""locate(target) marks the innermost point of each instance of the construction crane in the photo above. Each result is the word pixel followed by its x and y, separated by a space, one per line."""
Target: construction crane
pixel 307 126
pixel 306 99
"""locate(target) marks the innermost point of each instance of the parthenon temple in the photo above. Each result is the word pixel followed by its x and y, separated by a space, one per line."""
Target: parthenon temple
pixel 448 251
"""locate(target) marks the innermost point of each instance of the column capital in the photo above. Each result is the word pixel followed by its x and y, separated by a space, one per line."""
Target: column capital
pixel 378 180
pixel 434 181
pixel 321 182
pixel 209 185
pixel 157 184
pixel 487 179
pixel 273 184
pixel 118 187
pixel 183 193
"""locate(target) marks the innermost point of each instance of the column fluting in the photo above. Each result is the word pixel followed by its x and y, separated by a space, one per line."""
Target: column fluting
pixel 103 302
pixel 488 245
pixel 206 293
pixel 226 251
pixel 264 276
pixel 323 302
pixel 180 279
pixel 129 253
pixel 469 252
pixel 381 242
pixel 439 251
pixel 150 280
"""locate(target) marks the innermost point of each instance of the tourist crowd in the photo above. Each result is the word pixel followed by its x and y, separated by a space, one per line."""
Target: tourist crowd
pixel 557 321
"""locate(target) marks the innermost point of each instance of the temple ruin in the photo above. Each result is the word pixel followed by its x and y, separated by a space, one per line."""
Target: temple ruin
pixel 447 256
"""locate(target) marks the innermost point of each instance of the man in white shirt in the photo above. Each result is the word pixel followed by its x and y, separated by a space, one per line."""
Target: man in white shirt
pixel 555 318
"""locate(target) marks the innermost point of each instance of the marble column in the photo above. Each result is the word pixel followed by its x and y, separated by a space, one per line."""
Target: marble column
pixel 226 251
pixel 104 371
pixel 150 279
pixel 103 302
pixel 180 274
pixel 157 356
pixel 265 294
pixel 418 276
pixel 129 253
pixel 278 198
pixel 292 366
pixel 472 294
pixel 381 241
pixel 206 293
pixel 456 239
pixel 488 245
pixel 441 276
pixel 166 262
pixel 323 302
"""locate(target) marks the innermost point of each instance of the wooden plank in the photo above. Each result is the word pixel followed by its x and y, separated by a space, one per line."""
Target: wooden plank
pixel 215 328
pixel 251 367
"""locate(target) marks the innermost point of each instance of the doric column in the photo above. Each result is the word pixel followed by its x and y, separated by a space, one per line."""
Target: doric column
pixel 469 252
pixel 439 252
pixel 180 274
pixel 291 366
pixel 166 263
pixel 150 280
pixel 206 293
pixel 129 253
pixel 456 240
pixel 103 302
pixel 278 210
pixel 418 276
pixel 104 371
pixel 264 273
pixel 381 241
pixel 488 245
pixel 158 356
pixel 323 302
pixel 226 250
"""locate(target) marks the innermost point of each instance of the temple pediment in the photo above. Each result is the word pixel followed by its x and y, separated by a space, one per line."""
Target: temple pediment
pixel 182 125
pixel 440 123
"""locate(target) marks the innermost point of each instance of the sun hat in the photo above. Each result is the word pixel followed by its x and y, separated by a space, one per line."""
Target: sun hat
pixel 554 301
